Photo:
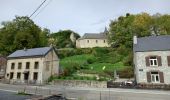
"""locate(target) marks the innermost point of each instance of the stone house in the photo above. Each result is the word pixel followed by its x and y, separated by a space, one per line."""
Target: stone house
pixel 152 59
pixel 32 65
pixel 3 63
pixel 90 40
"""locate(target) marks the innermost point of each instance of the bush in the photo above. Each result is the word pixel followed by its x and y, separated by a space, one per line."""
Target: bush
pixel 128 61
pixel 91 60
pixel 99 51
pixel 51 78
pixel 126 73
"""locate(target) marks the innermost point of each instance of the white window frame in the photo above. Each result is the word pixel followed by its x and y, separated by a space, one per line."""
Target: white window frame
pixel 153 61
pixel 154 78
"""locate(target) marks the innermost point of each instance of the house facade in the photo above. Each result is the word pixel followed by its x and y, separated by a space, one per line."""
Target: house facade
pixel 90 40
pixel 152 59
pixel 32 65
pixel 3 64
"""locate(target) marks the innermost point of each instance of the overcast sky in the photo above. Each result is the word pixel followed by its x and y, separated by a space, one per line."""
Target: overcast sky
pixel 81 16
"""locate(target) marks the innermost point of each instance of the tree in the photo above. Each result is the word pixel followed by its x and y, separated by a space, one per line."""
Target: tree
pixel 19 33
pixel 62 39
pixel 124 28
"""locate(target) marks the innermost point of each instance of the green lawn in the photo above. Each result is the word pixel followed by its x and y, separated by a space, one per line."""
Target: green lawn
pixel 105 66
pixel 96 67
pixel 79 59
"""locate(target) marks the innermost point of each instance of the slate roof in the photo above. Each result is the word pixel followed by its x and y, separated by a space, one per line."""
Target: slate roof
pixel 152 43
pixel 30 52
pixel 94 36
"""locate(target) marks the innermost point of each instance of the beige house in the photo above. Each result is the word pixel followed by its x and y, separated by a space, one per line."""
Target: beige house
pixel 90 40
pixel 152 59
pixel 32 65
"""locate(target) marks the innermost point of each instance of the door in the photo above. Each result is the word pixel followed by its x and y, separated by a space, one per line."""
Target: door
pixel 155 77
pixel 26 76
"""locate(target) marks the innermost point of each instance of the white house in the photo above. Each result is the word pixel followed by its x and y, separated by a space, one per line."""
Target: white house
pixel 152 59
pixel 90 40
pixel 32 65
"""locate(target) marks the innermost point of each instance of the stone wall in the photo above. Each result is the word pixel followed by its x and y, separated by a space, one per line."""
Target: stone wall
pixel 141 68
pixel 80 83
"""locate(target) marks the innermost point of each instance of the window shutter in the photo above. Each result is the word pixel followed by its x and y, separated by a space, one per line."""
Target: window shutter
pixel 161 76
pixel 168 60
pixel 159 61
pixel 148 74
pixel 147 61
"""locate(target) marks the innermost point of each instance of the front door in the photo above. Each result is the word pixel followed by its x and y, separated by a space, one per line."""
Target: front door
pixel 155 77
pixel 26 76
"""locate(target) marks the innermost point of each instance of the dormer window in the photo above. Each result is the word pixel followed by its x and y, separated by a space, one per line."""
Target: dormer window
pixel 153 61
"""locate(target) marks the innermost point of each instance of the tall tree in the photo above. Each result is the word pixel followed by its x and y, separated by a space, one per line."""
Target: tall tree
pixel 19 33
pixel 63 39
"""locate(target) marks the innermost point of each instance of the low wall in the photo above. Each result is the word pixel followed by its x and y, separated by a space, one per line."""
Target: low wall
pixel 80 83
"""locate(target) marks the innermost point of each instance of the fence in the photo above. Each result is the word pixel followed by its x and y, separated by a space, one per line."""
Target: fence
pixel 152 86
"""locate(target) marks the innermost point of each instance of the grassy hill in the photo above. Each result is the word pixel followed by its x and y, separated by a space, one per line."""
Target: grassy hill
pixel 81 65
pixel 93 63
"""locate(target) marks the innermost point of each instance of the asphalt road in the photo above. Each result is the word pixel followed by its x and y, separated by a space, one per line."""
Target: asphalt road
pixel 90 93
pixel 5 95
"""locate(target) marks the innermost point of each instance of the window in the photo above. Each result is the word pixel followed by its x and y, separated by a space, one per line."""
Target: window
pixel 7 75
pixel 35 77
pixel 87 41
pixel 19 65
pixel 96 41
pixel 11 75
pixel 153 61
pixel 12 65
pixel 155 77
pixel 18 75
pixel 36 65
pixel 27 65
pixel 104 41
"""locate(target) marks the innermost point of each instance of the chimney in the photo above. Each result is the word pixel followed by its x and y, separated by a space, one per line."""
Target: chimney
pixel 135 39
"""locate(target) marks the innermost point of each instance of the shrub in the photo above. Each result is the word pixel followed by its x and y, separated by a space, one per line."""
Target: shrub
pixel 51 78
pixel 99 51
pixel 91 60
pixel 128 61
pixel 126 73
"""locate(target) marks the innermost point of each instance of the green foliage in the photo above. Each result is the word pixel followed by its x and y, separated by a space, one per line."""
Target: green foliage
pixel 126 73
pixel 128 61
pixel 62 39
pixel 91 60
pixel 19 33
pixel 124 28
pixel 78 59
pixel 22 93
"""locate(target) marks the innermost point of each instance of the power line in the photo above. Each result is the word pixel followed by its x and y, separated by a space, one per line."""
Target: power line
pixel 37 8
pixel 42 9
